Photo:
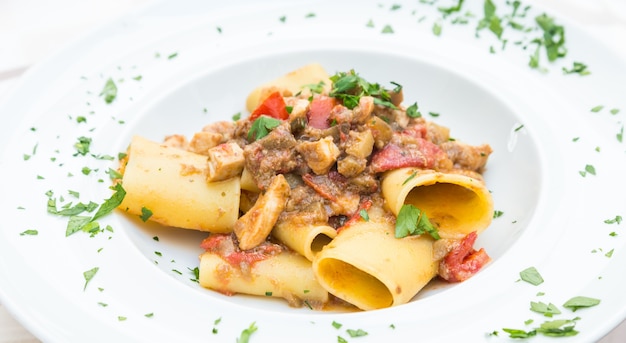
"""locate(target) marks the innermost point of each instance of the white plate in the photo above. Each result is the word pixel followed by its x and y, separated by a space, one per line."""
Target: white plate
pixel 198 62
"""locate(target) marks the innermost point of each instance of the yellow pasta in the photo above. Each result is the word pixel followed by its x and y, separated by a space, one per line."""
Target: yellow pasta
pixel 308 239
pixel 286 275
pixel 367 266
pixel 455 202
pixel 171 183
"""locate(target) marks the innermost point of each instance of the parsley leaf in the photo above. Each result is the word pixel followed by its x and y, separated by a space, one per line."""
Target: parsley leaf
pixel 356 333
pixel 261 127
pixel 246 333
pixel 547 310
pixel 145 214
pixel 110 204
pixel 516 333
pixel 578 302
pixel 577 68
pixel 452 9
pixel 558 328
pixel 413 221
pixel 82 146
pixel 109 91
pixel 88 275
pixel 413 111
pixel 490 19
pixel 553 37
pixel 350 87
pixel 532 276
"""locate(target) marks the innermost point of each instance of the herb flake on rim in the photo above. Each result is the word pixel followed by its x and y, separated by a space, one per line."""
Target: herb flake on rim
pixel 532 276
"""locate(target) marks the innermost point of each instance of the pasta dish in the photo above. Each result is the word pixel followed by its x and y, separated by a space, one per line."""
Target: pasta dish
pixel 330 191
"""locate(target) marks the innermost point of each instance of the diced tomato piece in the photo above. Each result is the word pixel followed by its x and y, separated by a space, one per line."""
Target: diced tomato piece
pixel 319 112
pixel 393 156
pixel 462 262
pixel 273 106
pixel 322 185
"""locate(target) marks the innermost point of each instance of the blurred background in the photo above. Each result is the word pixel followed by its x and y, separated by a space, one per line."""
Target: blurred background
pixel 30 30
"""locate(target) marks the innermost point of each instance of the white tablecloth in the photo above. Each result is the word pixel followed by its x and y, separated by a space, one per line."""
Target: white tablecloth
pixel 32 29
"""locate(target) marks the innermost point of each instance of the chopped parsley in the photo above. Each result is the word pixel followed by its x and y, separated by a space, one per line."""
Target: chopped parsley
pixel 532 276
pixel 86 223
pixel 452 9
pixel 437 28
pixel 110 204
pixel 196 274
pixel 363 213
pixel 554 328
pixel 88 275
pixel 490 19
pixel 616 220
pixel 547 310
pixel 578 302
pixel 146 213
pixel 82 146
pixel 349 87
pixel 553 37
pixel 356 333
pixel 387 29
pixel 261 127
pixel 29 233
pixel 109 91
pixel 597 109
pixel 246 333
pixel 589 169
pixel 577 68
pixel 413 111
pixel 413 221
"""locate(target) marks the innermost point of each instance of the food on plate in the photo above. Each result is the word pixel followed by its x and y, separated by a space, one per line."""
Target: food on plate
pixel 330 191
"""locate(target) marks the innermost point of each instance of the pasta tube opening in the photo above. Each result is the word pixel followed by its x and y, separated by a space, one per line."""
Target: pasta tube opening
pixel 455 203
pixel 348 281
pixel 365 265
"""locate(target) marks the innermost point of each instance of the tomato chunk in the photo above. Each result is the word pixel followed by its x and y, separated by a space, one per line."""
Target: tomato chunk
pixel 463 261
pixel 273 106
pixel 319 112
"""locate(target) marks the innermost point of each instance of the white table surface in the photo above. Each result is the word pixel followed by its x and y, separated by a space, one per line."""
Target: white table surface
pixel 32 29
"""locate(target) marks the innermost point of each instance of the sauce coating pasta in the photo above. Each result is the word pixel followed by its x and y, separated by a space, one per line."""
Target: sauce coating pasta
pixel 341 193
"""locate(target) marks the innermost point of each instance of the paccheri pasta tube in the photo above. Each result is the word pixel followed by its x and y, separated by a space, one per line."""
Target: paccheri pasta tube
pixel 456 203
pixel 171 184
pixel 306 237
pixel 331 191
pixel 268 270
pixel 368 267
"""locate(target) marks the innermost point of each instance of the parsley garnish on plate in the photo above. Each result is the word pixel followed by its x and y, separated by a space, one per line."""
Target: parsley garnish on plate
pixel 577 68
pixel 532 276
pixel 109 91
pixel 246 333
pixel 547 310
pixel 88 275
pixel 579 302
